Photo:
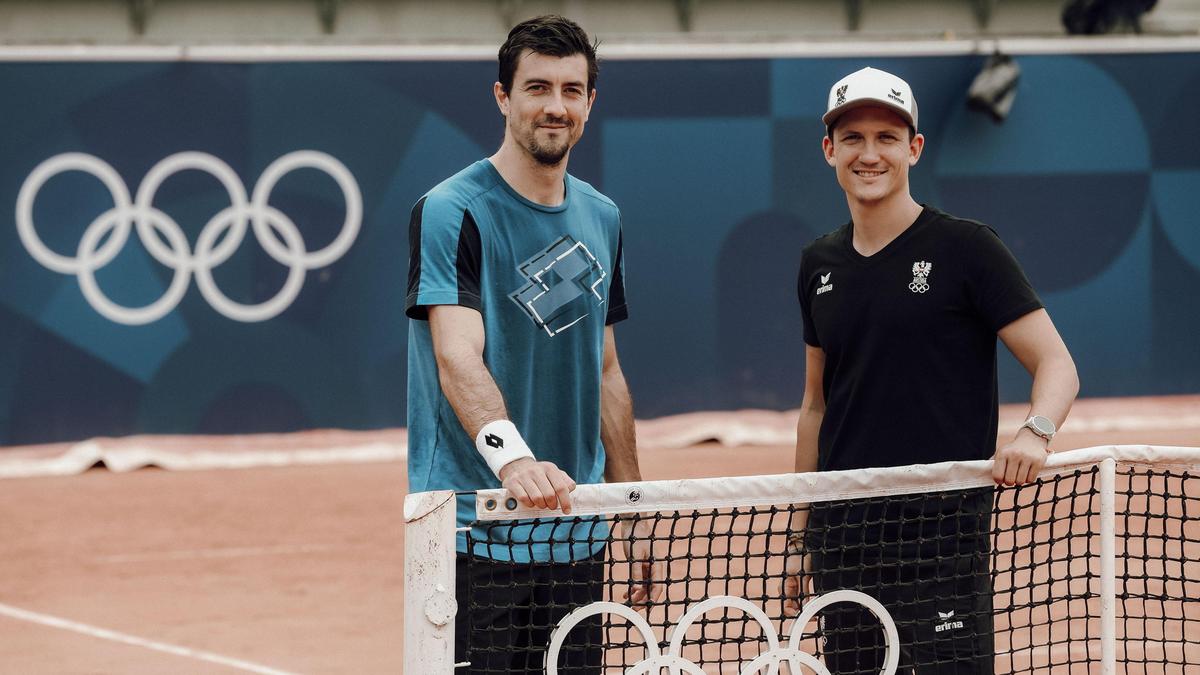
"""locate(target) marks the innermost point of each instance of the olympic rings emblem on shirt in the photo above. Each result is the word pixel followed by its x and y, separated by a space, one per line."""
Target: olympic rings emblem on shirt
pixel 655 660
pixel 276 233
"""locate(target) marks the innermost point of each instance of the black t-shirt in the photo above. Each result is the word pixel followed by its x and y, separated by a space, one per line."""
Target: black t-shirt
pixel 909 336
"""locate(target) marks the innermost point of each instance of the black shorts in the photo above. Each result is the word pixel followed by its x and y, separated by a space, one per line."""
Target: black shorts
pixel 927 564
pixel 506 612
pixel 942 610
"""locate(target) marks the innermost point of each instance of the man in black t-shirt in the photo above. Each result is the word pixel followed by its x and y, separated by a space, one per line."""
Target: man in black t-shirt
pixel 902 307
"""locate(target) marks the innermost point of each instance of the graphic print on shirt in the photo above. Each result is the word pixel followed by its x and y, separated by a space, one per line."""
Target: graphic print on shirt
pixel 920 282
pixel 564 285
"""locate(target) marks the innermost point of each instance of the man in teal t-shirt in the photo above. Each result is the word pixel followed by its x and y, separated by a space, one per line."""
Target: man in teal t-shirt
pixel 515 281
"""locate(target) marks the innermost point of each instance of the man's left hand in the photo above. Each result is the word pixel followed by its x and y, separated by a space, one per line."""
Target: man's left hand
pixel 1020 461
pixel 637 536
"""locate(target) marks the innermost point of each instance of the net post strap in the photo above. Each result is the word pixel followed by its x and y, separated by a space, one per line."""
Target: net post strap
pixel 429 602
pixel 1108 567
pixel 671 495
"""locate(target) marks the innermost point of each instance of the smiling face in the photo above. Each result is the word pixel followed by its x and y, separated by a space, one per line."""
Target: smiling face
pixel 547 105
pixel 871 151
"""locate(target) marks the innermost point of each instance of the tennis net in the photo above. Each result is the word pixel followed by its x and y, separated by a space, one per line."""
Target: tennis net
pixel 1093 568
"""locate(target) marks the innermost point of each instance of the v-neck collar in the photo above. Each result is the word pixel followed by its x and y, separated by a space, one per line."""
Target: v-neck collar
pixel 848 240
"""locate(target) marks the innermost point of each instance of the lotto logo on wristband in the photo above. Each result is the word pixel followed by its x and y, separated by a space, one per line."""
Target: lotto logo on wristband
pixel 499 443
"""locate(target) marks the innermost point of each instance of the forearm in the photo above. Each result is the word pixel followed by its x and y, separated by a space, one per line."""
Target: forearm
pixel 1055 385
pixel 470 389
pixel 634 531
pixel 1036 344
pixel 617 428
pixel 808 428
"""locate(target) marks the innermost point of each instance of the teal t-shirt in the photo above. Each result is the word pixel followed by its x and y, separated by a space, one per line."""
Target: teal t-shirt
pixel 546 280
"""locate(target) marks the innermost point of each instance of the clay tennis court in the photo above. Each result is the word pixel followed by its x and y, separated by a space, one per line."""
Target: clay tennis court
pixel 297 568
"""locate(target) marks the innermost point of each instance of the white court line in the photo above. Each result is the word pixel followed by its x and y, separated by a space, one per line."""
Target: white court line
pixel 208 553
pixel 105 634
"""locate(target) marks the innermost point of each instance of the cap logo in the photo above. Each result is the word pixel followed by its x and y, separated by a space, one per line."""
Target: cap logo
pixel 841 94
pixel 896 96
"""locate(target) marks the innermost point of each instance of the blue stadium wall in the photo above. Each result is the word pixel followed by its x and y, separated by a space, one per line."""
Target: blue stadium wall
pixel 1092 181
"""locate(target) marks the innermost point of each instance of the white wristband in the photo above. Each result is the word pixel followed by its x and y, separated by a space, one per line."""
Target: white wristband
pixel 500 443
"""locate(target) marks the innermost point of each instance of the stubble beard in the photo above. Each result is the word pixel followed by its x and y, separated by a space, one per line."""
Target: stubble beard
pixel 549 154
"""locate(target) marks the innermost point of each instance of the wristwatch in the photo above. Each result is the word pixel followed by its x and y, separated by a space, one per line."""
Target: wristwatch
pixel 1042 426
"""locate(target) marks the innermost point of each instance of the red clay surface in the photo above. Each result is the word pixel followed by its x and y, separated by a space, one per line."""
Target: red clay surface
pixel 296 569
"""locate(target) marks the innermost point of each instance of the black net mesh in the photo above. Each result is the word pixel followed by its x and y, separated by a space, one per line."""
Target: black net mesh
pixel 1003 580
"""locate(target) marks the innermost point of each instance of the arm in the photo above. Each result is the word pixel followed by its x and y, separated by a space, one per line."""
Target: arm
pixel 812 409
pixel 616 418
pixel 808 429
pixel 458 342
pixel 621 465
pixel 1036 344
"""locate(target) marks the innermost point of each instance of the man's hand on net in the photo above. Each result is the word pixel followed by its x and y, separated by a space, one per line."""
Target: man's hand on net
pixel 796 568
pixel 1020 461
pixel 636 535
pixel 538 484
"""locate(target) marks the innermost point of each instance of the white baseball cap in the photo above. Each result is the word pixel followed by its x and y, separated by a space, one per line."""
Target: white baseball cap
pixel 871 87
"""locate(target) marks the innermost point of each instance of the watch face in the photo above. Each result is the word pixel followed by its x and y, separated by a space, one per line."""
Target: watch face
pixel 1042 425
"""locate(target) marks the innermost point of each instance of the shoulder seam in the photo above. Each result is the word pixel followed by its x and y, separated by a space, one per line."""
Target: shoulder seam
pixel 588 189
pixel 600 198
pixel 822 240
pixel 965 221
pixel 468 197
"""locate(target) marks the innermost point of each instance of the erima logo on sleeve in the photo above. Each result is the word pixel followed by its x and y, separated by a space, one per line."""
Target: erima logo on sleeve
pixel 825 285
pixel 564 285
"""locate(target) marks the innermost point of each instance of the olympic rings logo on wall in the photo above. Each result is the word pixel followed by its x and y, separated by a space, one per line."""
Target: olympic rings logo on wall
pixel 276 233
pixel 767 661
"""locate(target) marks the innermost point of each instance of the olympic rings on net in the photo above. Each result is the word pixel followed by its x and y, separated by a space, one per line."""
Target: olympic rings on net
pixel 276 233
pixel 678 665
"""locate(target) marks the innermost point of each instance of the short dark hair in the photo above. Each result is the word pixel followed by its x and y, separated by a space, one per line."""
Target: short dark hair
pixel 550 35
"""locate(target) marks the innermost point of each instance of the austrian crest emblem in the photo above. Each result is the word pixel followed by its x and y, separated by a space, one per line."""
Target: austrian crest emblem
pixel 920 282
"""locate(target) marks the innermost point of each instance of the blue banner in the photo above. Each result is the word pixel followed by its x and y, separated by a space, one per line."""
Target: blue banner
pixel 222 248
